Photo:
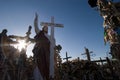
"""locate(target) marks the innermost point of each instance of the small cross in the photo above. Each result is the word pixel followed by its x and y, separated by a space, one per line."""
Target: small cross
pixel 87 53
pixel 67 57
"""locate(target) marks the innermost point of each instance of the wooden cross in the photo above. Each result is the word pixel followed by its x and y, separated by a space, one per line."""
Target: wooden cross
pixel 66 58
pixel 87 53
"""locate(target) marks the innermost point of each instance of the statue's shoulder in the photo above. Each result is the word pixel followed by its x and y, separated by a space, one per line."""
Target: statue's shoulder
pixel 40 35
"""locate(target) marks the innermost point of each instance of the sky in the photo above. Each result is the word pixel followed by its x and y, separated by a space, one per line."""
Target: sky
pixel 83 26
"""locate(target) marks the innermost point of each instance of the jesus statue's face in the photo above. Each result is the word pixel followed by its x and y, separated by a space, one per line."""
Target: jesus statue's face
pixel 45 29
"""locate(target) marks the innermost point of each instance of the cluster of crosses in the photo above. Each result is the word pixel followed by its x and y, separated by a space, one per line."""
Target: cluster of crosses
pixel 79 69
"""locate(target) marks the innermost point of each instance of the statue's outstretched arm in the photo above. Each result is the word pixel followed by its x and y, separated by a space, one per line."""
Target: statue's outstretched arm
pixel 37 30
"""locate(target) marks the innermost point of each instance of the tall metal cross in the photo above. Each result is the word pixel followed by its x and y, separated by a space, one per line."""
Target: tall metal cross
pixel 52 40
pixel 87 53
pixel 66 57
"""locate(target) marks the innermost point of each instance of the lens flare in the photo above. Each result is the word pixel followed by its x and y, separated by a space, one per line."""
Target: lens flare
pixel 21 45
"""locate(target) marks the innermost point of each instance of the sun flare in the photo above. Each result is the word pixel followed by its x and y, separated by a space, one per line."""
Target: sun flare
pixel 21 45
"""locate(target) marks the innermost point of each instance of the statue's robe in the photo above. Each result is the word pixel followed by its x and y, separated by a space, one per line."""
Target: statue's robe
pixel 42 54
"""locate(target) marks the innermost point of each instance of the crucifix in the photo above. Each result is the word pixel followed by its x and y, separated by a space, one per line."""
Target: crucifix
pixel 52 41
pixel 66 57
pixel 87 53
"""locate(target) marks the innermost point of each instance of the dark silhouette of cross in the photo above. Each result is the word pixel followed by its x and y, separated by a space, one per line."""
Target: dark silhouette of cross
pixel 87 53
pixel 66 57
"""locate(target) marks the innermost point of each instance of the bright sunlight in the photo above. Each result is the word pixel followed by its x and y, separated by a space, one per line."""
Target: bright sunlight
pixel 21 45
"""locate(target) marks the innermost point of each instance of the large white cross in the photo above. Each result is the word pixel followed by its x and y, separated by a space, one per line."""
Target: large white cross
pixel 52 25
pixel 52 40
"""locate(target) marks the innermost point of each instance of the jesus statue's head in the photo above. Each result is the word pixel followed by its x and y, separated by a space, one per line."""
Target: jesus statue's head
pixel 45 29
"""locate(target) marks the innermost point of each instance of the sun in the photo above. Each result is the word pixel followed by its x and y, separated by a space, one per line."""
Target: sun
pixel 21 45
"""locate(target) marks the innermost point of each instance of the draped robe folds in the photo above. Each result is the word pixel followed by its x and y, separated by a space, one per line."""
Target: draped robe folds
pixel 42 54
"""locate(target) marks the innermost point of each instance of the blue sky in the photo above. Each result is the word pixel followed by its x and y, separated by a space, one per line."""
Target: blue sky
pixel 82 24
